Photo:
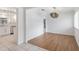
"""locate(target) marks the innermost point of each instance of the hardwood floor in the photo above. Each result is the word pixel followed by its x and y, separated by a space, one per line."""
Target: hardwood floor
pixel 55 42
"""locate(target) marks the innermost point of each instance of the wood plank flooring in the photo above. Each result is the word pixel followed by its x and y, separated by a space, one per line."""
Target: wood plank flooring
pixel 55 42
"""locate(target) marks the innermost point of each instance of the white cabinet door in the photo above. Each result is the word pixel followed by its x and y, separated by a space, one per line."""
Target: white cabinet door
pixel 4 30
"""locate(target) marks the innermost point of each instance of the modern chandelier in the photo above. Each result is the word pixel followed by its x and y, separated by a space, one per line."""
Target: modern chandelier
pixel 54 13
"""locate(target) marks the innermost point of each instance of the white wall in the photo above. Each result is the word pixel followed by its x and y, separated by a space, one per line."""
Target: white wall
pixel 34 23
pixel 76 26
pixel 20 25
pixel 62 25
pixel 76 35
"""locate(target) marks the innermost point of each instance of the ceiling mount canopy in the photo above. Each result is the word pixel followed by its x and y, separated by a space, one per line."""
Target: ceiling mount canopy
pixel 54 13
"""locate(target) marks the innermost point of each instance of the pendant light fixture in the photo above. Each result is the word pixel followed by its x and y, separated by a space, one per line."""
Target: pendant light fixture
pixel 54 13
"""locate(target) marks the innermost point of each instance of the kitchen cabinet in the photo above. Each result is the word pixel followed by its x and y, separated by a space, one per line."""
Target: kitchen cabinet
pixel 4 30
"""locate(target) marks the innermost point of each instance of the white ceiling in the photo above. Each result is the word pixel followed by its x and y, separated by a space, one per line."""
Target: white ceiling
pixel 62 9
pixel 68 9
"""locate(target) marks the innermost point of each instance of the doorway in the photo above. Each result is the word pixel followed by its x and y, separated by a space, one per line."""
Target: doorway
pixel 8 31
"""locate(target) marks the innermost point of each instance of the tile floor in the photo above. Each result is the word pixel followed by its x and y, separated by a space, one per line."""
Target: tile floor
pixel 8 43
